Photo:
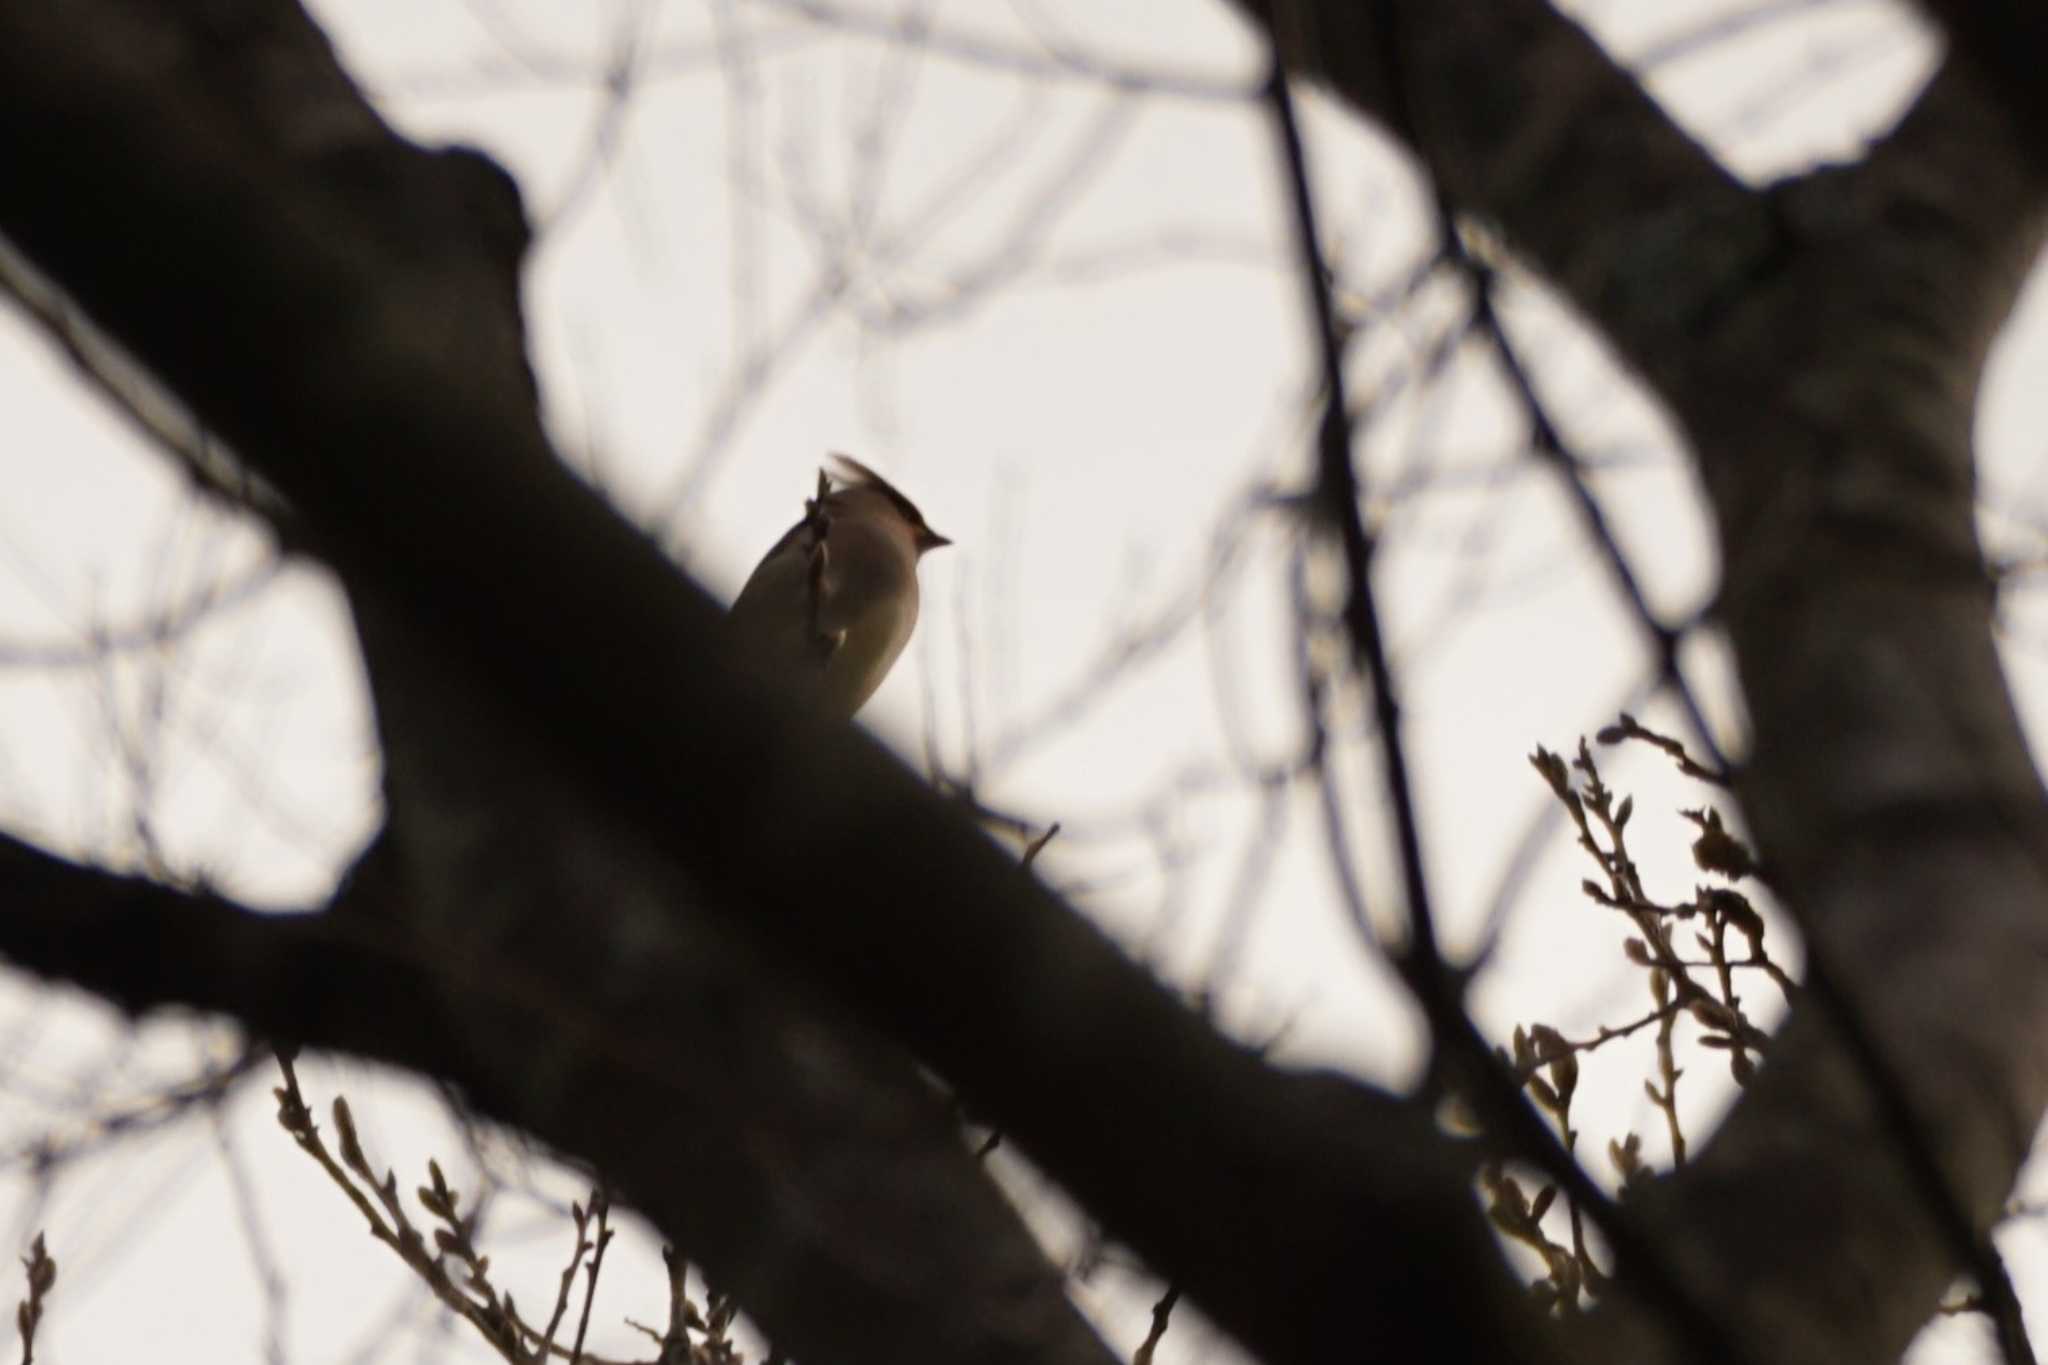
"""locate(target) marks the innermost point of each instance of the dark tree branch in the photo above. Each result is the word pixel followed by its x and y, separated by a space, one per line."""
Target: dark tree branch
pixel 1438 986
pixel 1822 344
pixel 373 372
pixel 2006 44
pixel 797 1157
pixel 1522 120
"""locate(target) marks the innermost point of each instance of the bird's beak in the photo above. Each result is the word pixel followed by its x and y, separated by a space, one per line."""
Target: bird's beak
pixel 928 539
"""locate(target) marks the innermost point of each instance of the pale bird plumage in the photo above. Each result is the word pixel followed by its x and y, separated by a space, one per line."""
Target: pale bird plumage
pixel 832 605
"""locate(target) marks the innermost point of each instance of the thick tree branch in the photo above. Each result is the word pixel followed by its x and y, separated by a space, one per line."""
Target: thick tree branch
pixel 2006 44
pixel 314 289
pixel 1889 783
pixel 1521 119
pixel 1822 345
pixel 766 1135
pixel 1437 985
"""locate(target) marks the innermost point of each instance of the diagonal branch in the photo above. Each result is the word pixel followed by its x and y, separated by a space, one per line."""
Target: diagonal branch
pixel 1822 344
pixel 1522 120
pixel 375 374
pixel 844 1195
pixel 2006 43
pixel 1438 986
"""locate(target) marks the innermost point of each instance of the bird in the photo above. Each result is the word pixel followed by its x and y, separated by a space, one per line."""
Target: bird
pixel 832 605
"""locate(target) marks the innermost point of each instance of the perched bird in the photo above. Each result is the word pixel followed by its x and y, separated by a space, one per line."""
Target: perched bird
pixel 836 599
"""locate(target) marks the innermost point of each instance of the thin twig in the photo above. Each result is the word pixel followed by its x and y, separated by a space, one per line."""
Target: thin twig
pixel 1162 1312
pixel 1974 1247
pixel 1037 846
pixel 1627 727
pixel 581 1217
pixel 477 1301
pixel 42 1273
pixel 1439 988
pixel 600 1209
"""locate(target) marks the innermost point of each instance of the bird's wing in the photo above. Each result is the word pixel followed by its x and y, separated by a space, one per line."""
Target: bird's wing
pixel 819 584
pixel 789 597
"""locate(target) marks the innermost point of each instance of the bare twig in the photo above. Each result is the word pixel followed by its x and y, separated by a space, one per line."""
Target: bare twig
pixel 167 1106
pixel 42 1273
pixel 582 1220
pixel 162 627
pixel 475 1299
pixel 1438 987
pixel 1162 1312
pixel 1037 846
pixel 600 1209
pixel 1627 727
pixel 1052 61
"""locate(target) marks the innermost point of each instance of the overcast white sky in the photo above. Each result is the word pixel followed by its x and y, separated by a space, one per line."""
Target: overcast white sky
pixel 1064 317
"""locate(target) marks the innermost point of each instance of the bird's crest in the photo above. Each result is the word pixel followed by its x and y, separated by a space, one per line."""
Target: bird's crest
pixel 853 474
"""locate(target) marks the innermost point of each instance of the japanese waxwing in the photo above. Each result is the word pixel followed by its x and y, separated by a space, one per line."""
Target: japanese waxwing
pixel 835 601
